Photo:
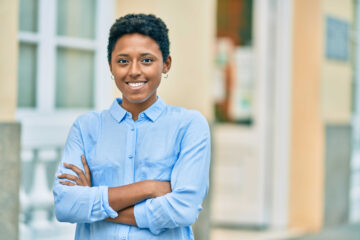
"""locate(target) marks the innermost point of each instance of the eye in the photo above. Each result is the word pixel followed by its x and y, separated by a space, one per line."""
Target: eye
pixel 147 60
pixel 123 61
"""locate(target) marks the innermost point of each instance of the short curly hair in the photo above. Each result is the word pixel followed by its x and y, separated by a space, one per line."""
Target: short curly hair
pixel 148 25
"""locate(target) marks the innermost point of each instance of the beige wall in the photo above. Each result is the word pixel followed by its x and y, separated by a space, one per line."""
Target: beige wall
pixel 321 94
pixel 337 75
pixel 307 143
pixel 192 32
pixel 8 59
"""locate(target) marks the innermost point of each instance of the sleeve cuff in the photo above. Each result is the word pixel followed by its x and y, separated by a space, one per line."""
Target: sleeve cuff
pixel 140 215
pixel 105 199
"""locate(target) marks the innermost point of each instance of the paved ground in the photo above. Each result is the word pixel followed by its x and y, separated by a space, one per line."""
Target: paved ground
pixel 240 234
pixel 348 232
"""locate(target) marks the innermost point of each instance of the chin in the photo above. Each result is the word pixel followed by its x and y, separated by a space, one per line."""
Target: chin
pixel 138 100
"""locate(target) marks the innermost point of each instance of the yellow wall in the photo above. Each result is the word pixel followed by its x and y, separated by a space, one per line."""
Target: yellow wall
pixel 321 94
pixel 306 167
pixel 8 59
pixel 337 75
pixel 192 33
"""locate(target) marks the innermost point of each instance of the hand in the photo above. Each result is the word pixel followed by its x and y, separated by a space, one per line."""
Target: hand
pixel 160 188
pixel 81 179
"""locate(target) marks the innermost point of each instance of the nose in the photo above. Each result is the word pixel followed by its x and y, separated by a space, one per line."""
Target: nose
pixel 135 70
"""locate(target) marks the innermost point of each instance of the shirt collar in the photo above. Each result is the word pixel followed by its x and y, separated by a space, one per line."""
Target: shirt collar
pixel 117 111
pixel 152 112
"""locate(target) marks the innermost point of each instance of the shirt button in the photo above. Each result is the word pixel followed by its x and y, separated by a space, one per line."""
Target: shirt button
pixel 130 156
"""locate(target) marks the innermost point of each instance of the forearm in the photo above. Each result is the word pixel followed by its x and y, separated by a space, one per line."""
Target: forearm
pixel 125 216
pixel 79 204
pixel 176 209
pixel 128 195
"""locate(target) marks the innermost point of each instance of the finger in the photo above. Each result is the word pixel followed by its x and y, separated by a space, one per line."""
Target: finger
pixel 86 168
pixel 66 183
pixel 70 177
pixel 78 171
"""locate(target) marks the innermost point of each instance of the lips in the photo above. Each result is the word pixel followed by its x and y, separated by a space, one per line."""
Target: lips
pixel 136 85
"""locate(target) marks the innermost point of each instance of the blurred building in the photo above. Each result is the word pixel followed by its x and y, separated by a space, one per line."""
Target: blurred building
pixel 277 79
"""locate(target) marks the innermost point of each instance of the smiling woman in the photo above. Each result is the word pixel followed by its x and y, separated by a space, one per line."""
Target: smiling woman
pixel 140 169
pixel 137 65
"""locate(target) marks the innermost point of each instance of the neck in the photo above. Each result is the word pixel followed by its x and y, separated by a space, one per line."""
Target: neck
pixel 136 108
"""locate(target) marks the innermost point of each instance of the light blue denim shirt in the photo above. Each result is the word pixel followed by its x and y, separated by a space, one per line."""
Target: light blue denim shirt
pixel 166 143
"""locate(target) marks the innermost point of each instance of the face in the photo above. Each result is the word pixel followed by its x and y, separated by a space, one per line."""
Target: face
pixel 137 65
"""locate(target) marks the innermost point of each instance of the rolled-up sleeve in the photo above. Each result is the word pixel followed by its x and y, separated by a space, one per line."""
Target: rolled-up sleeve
pixel 189 182
pixel 79 204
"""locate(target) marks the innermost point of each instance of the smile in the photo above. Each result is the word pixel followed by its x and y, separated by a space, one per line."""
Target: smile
pixel 136 84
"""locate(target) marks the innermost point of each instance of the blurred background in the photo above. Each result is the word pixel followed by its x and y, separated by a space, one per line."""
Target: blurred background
pixel 278 81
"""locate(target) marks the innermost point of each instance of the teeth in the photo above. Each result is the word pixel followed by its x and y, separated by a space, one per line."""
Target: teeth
pixel 136 84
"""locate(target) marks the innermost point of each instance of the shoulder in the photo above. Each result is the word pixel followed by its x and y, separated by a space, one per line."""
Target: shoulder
pixel 187 114
pixel 88 125
pixel 88 120
pixel 188 117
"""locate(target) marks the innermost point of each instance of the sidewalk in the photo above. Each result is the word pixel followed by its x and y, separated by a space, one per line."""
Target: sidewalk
pixel 236 234
pixel 347 232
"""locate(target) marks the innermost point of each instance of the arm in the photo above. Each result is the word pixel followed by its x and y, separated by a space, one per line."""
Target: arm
pixel 189 183
pixel 78 202
pixel 119 197
pixel 125 216
pixel 126 196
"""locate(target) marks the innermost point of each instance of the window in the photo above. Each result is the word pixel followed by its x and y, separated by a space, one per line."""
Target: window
pixel 62 55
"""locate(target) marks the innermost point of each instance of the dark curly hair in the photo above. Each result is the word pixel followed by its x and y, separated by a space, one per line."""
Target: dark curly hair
pixel 148 25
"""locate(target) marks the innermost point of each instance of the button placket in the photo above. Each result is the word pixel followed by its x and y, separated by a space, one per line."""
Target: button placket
pixel 133 141
pixel 131 155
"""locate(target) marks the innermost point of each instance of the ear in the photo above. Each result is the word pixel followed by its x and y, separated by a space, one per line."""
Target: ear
pixel 167 64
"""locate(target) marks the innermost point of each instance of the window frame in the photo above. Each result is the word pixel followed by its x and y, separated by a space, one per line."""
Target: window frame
pixel 47 42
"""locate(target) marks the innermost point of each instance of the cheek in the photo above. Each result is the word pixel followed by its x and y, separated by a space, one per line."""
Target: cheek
pixel 120 84
pixel 119 76
pixel 153 72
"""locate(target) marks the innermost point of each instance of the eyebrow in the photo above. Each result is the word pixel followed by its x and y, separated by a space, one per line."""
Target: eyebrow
pixel 144 54
pixel 126 55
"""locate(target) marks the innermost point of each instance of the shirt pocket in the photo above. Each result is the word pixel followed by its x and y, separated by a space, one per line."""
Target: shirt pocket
pixel 157 169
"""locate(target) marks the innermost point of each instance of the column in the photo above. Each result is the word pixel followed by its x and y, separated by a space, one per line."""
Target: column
pixel 9 129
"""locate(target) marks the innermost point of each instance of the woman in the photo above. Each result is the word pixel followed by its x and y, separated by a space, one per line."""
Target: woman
pixel 140 169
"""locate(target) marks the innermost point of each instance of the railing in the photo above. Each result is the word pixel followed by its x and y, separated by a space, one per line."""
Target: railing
pixel 37 218
pixel 355 171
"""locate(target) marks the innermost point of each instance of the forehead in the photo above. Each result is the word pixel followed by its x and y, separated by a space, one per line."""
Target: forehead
pixel 136 42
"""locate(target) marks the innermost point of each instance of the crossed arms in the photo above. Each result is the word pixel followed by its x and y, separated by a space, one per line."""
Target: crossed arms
pixel 122 199
pixel 153 205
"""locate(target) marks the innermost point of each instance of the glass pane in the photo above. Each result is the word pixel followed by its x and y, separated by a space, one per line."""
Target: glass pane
pixel 28 15
pixel 76 18
pixel 27 75
pixel 74 78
